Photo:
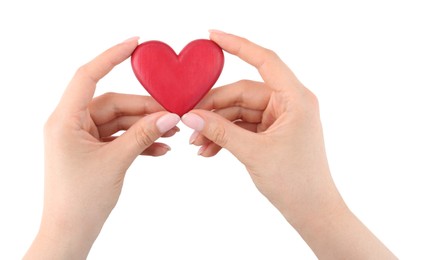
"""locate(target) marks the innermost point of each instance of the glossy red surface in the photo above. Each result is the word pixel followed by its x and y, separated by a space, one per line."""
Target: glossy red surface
pixel 178 82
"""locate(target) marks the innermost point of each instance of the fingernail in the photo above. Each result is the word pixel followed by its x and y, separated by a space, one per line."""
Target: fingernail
pixel 193 121
pixel 167 122
pixel 193 137
pixel 202 149
pixel 166 147
pixel 132 39
pixel 216 31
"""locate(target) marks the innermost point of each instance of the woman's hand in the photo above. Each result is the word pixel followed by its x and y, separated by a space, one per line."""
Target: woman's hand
pixel 85 164
pixel 276 133
pixel 273 127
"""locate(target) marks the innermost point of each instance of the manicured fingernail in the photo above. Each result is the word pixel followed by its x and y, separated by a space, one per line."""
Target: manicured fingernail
pixel 202 149
pixel 166 147
pixel 167 122
pixel 193 121
pixel 193 137
pixel 216 31
pixel 132 39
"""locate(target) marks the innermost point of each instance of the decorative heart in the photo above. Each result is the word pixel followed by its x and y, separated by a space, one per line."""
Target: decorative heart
pixel 178 82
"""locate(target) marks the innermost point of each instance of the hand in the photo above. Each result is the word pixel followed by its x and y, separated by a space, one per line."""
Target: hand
pixel 273 127
pixel 276 133
pixel 85 164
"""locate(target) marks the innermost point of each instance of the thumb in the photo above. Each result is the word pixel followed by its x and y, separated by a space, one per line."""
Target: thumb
pixel 238 141
pixel 141 135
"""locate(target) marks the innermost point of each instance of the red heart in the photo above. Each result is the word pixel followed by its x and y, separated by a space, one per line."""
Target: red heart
pixel 178 82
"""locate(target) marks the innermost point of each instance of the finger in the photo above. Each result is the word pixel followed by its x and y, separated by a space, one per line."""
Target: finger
pixel 248 120
pixel 123 123
pixel 109 106
pixel 171 132
pixel 209 150
pixel 141 135
pixel 199 139
pixel 272 69
pixel 244 93
pixel 156 149
pixel 252 127
pixel 240 113
pixel 108 139
pixel 82 87
pixel 222 132
pixel 116 125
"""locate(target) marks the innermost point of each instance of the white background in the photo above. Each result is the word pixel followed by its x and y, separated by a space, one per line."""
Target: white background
pixel 361 58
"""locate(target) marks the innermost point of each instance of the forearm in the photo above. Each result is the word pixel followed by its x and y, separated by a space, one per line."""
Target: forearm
pixel 341 235
pixel 57 240
pixel 322 218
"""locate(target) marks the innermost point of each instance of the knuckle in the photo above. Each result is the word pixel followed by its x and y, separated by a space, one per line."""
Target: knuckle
pixel 106 101
pixel 244 82
pixel 55 126
pixel 105 98
pixel 219 135
pixel 82 70
pixel 144 137
pixel 307 109
pixel 267 58
pixel 85 71
pixel 312 99
pixel 109 95
pixel 270 54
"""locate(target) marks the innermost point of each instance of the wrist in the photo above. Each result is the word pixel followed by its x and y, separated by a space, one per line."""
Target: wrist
pixel 317 220
pixel 338 232
pixel 62 238
pixel 320 202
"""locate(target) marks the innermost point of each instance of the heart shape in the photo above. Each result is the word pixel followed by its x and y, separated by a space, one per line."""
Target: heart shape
pixel 178 82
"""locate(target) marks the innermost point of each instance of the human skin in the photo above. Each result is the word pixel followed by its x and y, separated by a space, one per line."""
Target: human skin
pixel 273 127
pixel 84 164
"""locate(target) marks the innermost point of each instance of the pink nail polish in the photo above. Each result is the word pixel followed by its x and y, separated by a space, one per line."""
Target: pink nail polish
pixel 166 147
pixel 193 137
pixel 193 121
pixel 216 31
pixel 132 39
pixel 167 122
pixel 202 149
